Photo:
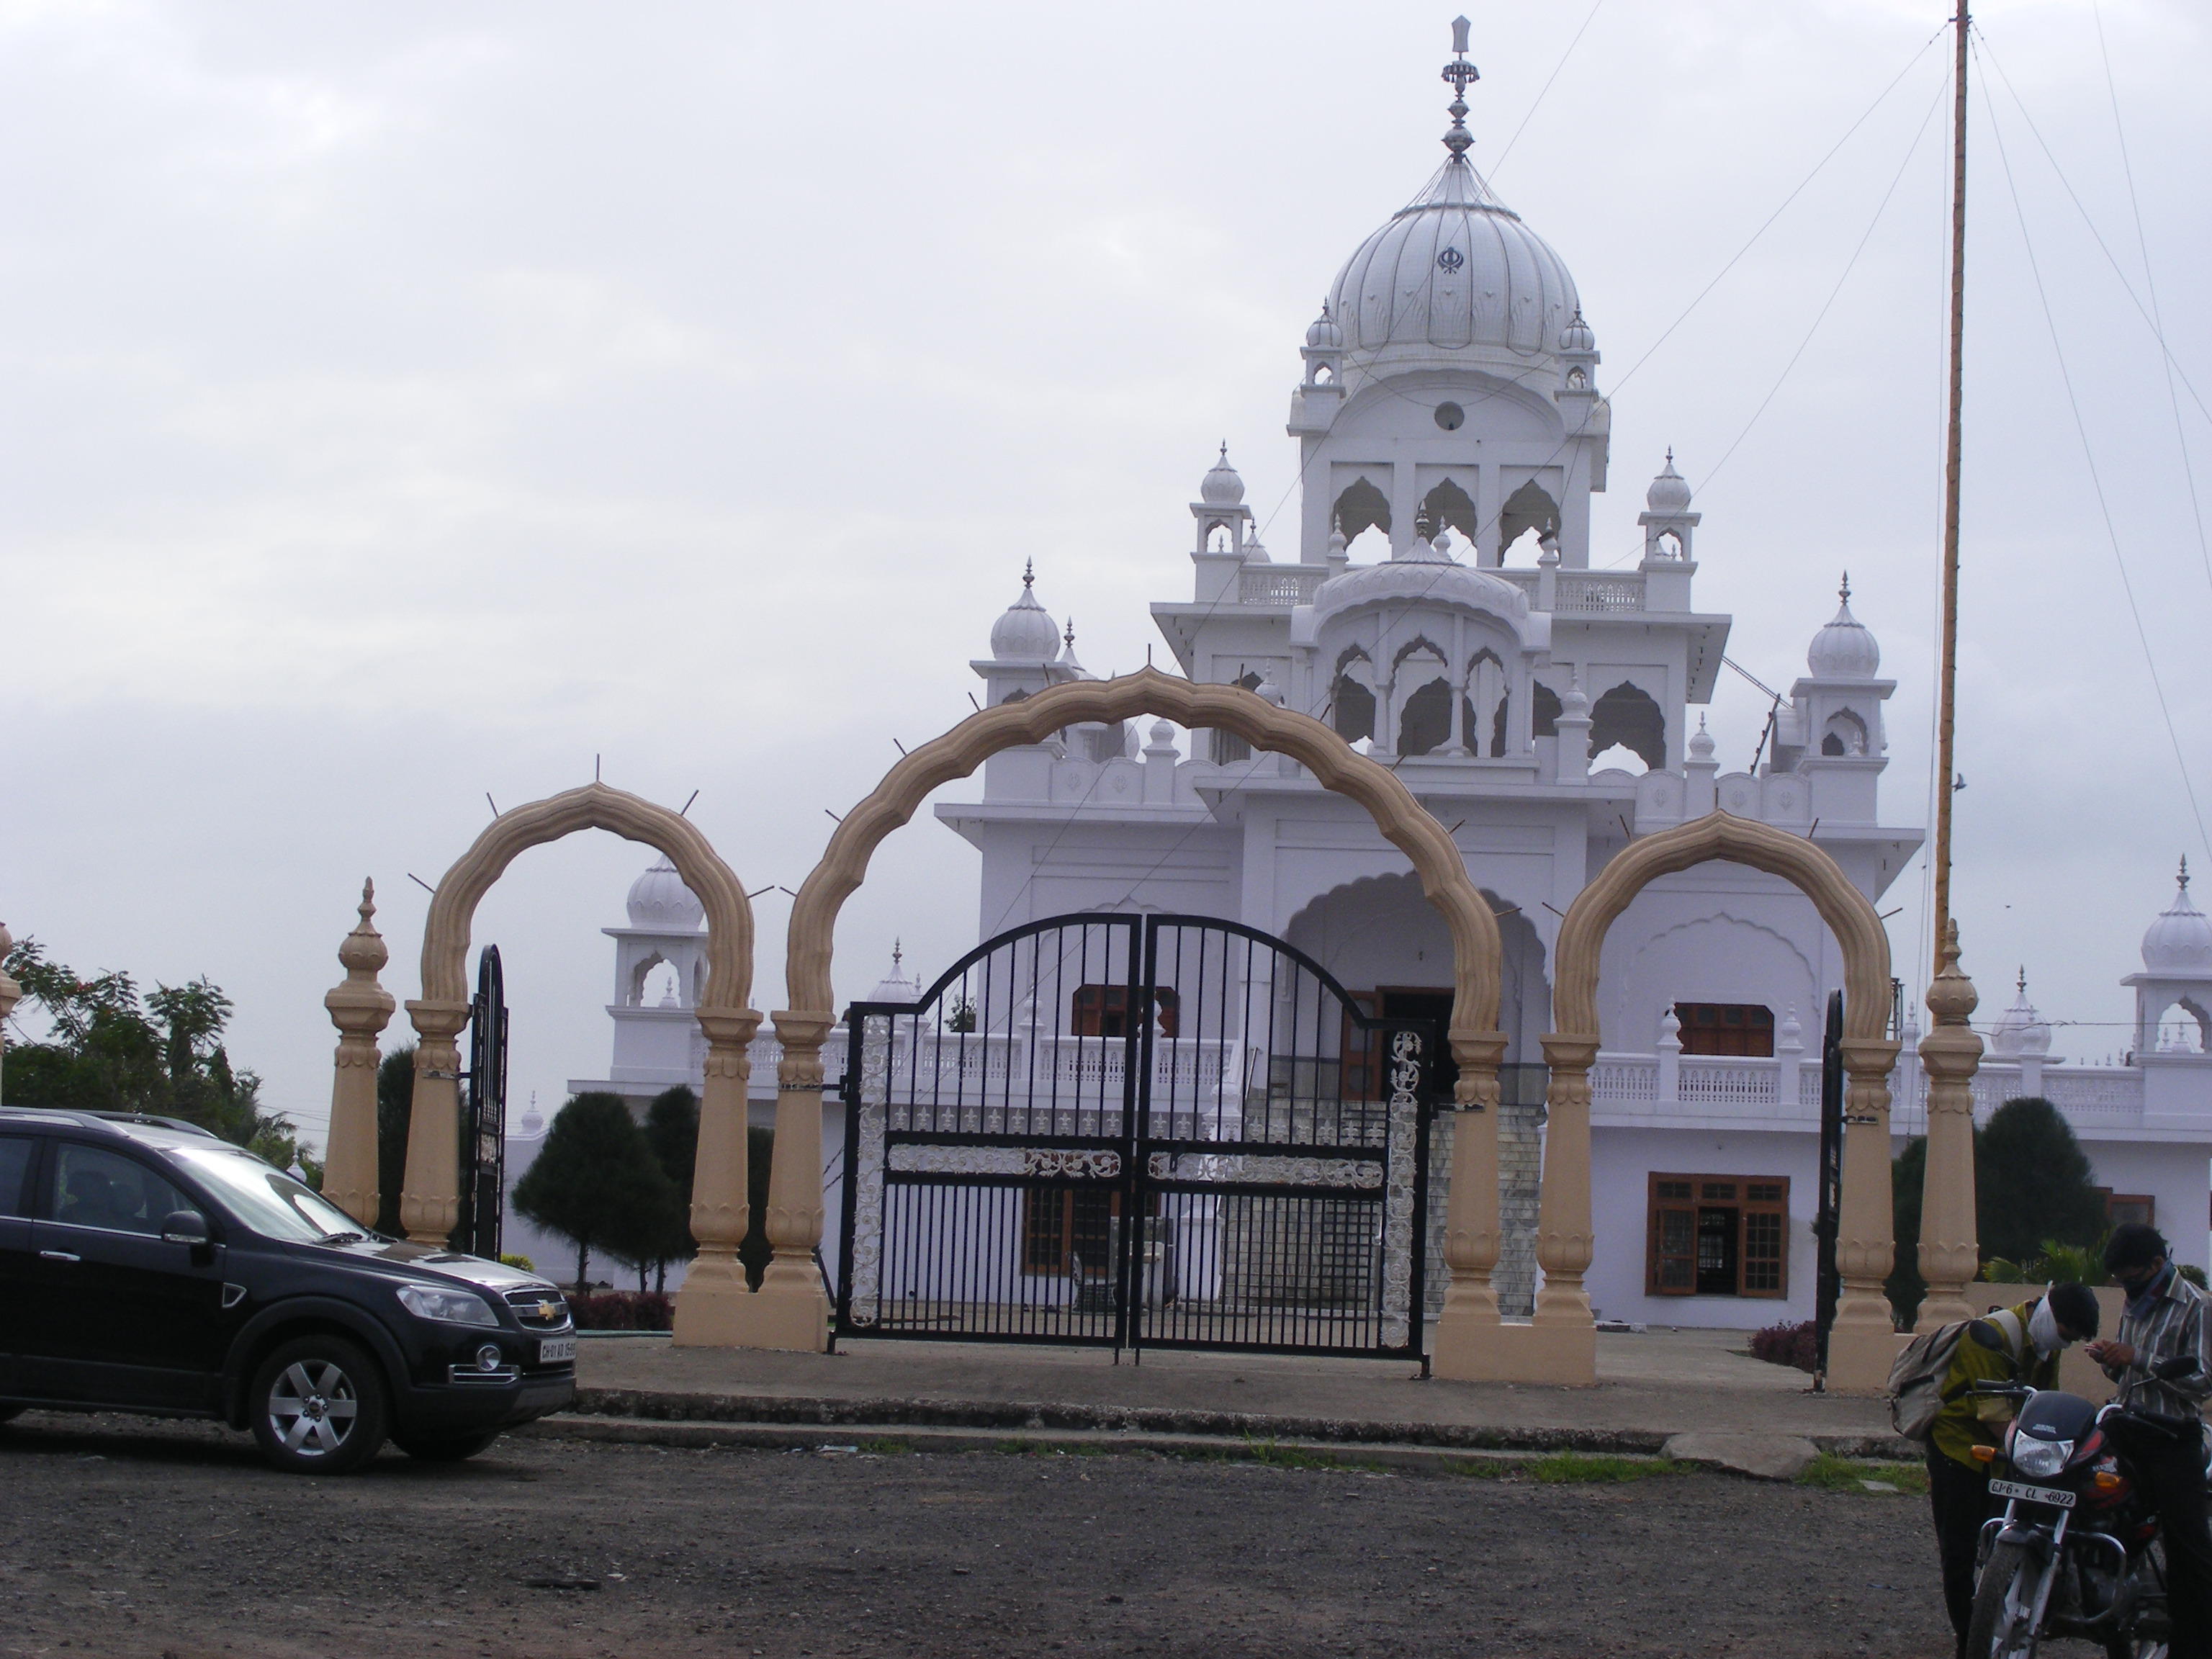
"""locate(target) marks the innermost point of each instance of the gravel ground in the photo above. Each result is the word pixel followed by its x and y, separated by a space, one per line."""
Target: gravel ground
pixel 126 1537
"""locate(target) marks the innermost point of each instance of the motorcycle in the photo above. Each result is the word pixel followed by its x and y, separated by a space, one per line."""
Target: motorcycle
pixel 2073 1554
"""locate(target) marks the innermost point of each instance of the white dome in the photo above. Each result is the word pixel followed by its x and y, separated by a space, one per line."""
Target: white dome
pixel 1577 336
pixel 1024 633
pixel 1845 649
pixel 2019 1030
pixel 1701 743
pixel 1221 487
pixel 2180 940
pixel 1453 272
pixel 1425 576
pixel 896 986
pixel 1669 491
pixel 1323 334
pixel 660 902
pixel 1256 552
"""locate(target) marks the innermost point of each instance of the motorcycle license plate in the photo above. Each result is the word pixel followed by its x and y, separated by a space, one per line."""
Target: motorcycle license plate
pixel 2057 1497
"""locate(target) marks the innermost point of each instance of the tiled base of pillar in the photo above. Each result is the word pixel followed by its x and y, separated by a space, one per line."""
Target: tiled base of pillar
pixel 1859 1359
pixel 717 1317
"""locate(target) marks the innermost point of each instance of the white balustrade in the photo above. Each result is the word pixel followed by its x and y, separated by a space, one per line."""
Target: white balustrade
pixel 1279 584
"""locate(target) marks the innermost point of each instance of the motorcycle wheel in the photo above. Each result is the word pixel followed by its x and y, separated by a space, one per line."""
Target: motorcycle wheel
pixel 2004 1597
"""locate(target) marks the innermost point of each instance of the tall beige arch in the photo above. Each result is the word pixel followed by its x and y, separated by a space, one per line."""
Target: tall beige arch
pixel 1563 1341
pixel 430 1199
pixel 790 1308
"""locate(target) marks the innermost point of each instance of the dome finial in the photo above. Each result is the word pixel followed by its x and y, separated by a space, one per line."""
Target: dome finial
pixel 1457 73
pixel 2184 872
pixel 1029 572
pixel 1068 638
pixel 2020 984
pixel 1844 593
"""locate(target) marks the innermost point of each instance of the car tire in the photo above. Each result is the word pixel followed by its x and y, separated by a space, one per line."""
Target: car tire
pixel 318 1406
pixel 444 1448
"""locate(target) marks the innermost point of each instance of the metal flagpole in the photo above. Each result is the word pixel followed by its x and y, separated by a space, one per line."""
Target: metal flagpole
pixel 1946 695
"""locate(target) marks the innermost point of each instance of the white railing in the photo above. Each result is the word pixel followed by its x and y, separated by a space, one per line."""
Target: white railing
pixel 1278 583
pixel 1587 590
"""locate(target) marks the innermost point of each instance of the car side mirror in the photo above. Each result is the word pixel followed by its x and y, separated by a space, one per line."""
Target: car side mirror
pixel 184 1227
pixel 2178 1366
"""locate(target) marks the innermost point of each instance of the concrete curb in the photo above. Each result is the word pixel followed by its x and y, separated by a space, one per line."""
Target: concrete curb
pixel 808 1415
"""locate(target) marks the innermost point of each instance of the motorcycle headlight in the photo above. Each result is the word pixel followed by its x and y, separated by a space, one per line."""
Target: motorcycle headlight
pixel 453 1307
pixel 2040 1460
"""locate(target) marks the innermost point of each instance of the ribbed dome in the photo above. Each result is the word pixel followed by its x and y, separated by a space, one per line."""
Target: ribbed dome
pixel 1669 491
pixel 1025 632
pixel 1845 649
pixel 1422 575
pixel 896 986
pixel 1221 487
pixel 1577 336
pixel 2019 1030
pixel 1322 334
pixel 2180 940
pixel 659 900
pixel 1454 270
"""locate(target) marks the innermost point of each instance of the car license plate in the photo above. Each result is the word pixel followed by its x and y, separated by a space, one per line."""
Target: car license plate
pixel 2057 1497
pixel 553 1350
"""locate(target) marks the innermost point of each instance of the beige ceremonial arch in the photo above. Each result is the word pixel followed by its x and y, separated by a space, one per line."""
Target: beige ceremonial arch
pixel 430 1198
pixel 1562 1339
pixel 790 1311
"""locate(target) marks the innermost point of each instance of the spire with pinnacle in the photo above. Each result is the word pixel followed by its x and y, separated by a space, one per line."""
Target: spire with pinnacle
pixel 1457 73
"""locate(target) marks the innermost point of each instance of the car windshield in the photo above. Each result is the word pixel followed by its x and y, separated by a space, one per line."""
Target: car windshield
pixel 266 1199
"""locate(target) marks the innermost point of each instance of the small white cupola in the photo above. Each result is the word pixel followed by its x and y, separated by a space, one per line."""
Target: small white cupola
pixel 1846 648
pixel 896 986
pixel 1024 633
pixel 2019 1031
pixel 1220 511
pixel 1668 524
pixel 2176 979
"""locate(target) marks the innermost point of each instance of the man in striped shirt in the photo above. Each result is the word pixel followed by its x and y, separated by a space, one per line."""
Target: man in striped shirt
pixel 2165 1317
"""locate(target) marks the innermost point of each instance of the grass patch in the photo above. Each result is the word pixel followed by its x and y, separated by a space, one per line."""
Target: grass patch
pixel 1833 1473
pixel 1568 1469
pixel 886 1447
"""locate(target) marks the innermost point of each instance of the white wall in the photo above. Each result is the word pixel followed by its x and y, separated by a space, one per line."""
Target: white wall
pixel 1621 1163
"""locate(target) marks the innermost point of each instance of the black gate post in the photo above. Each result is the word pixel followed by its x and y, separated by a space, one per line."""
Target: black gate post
pixel 484 1120
pixel 1826 1227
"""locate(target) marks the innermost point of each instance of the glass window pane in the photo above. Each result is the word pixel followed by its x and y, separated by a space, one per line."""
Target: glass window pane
pixel 15 1167
pixel 93 1188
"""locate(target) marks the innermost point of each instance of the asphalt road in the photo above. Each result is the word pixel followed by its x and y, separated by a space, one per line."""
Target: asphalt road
pixel 126 1537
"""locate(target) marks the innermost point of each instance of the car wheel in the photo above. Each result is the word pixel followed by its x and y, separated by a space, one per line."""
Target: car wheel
pixel 444 1448
pixel 319 1406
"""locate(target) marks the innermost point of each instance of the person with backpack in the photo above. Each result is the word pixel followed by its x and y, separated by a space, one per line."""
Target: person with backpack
pixel 1933 1385
pixel 2164 1319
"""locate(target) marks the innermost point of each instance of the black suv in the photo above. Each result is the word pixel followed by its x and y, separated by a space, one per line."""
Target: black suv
pixel 146 1266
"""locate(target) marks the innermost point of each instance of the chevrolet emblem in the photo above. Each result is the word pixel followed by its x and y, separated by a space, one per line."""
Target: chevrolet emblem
pixel 547 1311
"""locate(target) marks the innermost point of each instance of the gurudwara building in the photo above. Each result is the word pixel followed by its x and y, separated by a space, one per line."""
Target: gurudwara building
pixel 1439 609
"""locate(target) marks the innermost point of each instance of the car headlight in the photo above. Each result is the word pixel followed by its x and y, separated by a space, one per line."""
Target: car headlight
pixel 454 1307
pixel 2039 1459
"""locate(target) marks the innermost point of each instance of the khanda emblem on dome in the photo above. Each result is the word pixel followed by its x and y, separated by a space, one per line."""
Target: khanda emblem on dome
pixel 1451 260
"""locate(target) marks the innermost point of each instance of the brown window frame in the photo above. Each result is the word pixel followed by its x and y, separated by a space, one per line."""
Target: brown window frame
pixel 1682 1196
pixel 1092 1008
pixel 1727 1030
pixel 1048 1217
pixel 2113 1200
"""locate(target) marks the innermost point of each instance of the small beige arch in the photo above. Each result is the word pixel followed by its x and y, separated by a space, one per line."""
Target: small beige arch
pixel 429 1203
pixel 1562 1341
pixel 794 1217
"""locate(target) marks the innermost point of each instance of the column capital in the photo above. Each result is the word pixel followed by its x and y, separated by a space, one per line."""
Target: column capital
pixel 437 1021
pixel 729 1027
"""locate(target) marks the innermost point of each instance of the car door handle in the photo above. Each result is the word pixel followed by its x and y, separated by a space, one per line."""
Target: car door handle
pixel 58 1255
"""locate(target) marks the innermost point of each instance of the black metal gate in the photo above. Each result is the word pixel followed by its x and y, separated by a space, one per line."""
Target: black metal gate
pixel 1142 1132
pixel 483 1114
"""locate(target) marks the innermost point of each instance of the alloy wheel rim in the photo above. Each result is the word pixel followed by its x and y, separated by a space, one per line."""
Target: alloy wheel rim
pixel 313 1408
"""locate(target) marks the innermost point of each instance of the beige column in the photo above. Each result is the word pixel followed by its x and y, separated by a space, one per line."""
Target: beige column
pixel 1467 1346
pixel 360 1008
pixel 710 1308
pixel 10 993
pixel 790 1310
pixel 1561 1342
pixel 1950 1253
pixel 1864 1339
pixel 430 1197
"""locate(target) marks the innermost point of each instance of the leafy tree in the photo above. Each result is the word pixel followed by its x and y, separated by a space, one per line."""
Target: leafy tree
pixel 595 1182
pixel 107 1048
pixel 2032 1183
pixel 2032 1196
pixel 395 1101
pixel 672 1129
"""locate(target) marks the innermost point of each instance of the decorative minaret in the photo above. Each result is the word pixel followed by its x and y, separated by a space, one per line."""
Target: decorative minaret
pixel 360 1008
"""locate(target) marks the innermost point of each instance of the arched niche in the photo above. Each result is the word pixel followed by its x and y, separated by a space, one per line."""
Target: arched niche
pixel 795 1219
pixel 1563 1337
pixel 430 1199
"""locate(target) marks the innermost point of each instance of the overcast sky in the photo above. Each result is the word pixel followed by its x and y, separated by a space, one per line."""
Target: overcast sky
pixel 404 402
